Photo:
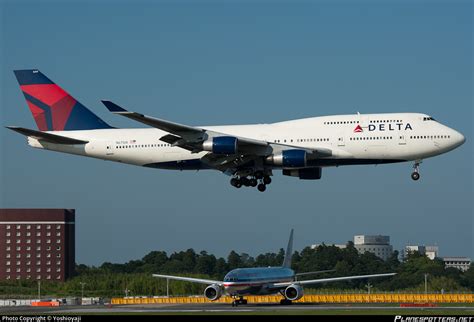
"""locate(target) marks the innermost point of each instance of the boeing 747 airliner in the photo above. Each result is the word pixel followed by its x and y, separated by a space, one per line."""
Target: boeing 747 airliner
pixel 264 280
pixel 247 153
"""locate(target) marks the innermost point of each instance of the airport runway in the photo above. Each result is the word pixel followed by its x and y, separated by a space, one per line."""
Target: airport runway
pixel 216 308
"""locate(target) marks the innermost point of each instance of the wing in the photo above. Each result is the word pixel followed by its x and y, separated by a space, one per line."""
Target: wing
pixel 315 272
pixel 332 279
pixel 181 135
pixel 48 137
pixel 192 138
pixel 188 279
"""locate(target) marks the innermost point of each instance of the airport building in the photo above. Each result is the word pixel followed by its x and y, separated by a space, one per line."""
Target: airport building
pixel 376 244
pixel 430 251
pixel 461 263
pixel 341 246
pixel 37 244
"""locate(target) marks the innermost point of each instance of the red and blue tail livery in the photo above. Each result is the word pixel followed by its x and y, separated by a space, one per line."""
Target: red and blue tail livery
pixel 52 107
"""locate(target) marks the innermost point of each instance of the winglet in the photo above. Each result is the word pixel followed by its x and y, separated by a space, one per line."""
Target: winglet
pixel 289 252
pixel 112 107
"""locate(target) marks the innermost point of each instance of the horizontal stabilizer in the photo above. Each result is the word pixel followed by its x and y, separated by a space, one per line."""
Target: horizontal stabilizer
pixel 48 137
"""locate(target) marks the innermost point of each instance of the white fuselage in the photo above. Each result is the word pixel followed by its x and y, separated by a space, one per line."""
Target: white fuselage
pixel 353 139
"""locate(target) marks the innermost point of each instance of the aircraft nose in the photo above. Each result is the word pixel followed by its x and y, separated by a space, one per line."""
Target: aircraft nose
pixel 459 139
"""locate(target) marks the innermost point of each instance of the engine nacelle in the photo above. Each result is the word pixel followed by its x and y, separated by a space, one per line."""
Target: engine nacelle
pixel 293 292
pixel 289 159
pixel 221 145
pixel 213 292
pixel 304 174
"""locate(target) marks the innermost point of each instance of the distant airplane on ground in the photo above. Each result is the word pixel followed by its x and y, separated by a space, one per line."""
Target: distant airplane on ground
pixel 264 280
pixel 248 153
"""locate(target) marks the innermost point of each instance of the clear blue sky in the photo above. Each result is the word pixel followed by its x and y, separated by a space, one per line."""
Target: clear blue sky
pixel 209 63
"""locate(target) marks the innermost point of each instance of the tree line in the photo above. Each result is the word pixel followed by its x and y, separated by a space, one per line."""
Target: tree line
pixel 134 278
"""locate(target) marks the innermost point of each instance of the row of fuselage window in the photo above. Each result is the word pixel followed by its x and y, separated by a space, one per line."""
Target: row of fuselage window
pixel 416 137
pixel 371 138
pixel 135 146
pixel 357 122
pixel 302 140
pixel 419 137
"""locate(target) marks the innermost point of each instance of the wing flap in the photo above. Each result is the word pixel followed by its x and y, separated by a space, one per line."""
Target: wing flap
pixel 48 137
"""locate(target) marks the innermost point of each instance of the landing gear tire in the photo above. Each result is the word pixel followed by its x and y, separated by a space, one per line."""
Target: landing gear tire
pixel 253 182
pixel 415 176
pixel 261 187
pixel 240 301
pixel 235 182
pixel 267 180
pixel 285 302
pixel 258 175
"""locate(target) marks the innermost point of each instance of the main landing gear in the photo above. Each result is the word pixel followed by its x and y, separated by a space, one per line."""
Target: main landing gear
pixel 416 174
pixel 285 302
pixel 240 301
pixel 257 180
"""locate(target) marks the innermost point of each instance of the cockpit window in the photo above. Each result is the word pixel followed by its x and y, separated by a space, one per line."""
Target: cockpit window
pixel 429 118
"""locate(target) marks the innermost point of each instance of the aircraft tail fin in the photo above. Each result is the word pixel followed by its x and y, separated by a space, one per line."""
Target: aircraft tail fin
pixel 52 107
pixel 289 252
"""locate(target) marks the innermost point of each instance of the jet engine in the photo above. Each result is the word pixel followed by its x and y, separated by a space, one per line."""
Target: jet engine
pixel 305 174
pixel 288 159
pixel 293 292
pixel 221 145
pixel 213 292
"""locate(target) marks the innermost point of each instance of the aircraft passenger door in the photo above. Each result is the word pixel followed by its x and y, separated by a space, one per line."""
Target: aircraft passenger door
pixel 340 140
pixel 363 121
pixel 109 148
pixel 401 138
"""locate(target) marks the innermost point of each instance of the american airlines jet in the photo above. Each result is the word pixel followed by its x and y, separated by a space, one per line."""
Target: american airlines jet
pixel 264 280
pixel 247 153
